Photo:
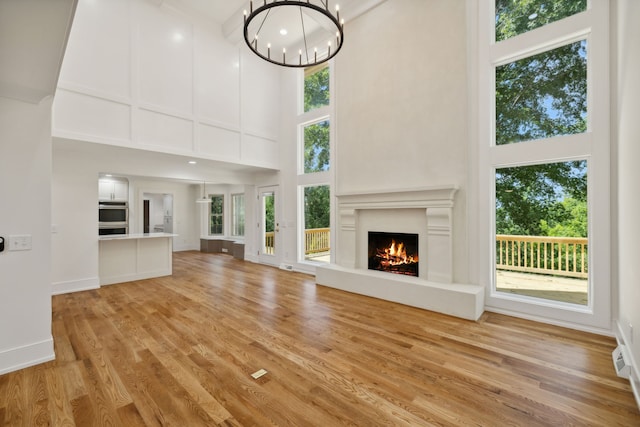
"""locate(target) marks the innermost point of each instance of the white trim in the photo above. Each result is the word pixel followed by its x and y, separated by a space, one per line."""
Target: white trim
pixel 634 379
pixel 69 286
pixel 26 355
pixel 542 39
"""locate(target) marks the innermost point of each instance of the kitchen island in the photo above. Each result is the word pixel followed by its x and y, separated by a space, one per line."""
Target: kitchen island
pixel 127 257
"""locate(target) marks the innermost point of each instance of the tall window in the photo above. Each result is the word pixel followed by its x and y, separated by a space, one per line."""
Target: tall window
pixel 317 223
pixel 543 95
pixel 237 214
pixel 314 176
pixel 546 156
pixel 216 216
pixel 316 87
pixel 316 147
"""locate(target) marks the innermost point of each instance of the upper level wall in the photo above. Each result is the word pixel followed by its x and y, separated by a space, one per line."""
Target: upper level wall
pixel 145 76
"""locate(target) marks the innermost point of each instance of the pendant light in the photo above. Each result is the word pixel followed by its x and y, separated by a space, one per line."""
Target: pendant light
pixel 204 198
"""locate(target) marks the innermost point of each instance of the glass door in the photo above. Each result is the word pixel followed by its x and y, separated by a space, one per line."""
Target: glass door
pixel 269 226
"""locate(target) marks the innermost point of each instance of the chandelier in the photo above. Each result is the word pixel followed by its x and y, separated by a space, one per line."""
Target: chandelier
pixel 293 33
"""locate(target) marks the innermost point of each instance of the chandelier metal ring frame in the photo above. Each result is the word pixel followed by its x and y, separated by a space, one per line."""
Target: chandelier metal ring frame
pixel 299 63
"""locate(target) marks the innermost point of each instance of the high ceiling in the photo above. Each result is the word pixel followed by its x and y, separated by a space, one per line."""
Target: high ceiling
pixel 218 10
pixel 222 11
pixel 33 37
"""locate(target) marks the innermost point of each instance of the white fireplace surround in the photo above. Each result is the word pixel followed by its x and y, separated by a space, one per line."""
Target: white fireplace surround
pixel 427 212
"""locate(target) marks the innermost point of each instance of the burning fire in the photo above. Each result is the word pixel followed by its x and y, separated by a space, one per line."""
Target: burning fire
pixel 396 254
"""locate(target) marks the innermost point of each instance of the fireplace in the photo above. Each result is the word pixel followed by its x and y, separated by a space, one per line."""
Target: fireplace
pixel 425 211
pixel 393 252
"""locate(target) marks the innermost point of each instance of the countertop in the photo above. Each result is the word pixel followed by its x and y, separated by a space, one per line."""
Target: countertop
pixel 133 236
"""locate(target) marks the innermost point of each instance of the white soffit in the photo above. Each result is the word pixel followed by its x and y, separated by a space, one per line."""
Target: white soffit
pixel 33 38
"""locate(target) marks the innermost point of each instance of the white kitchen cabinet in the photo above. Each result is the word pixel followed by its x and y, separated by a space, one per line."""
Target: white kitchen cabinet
pixel 110 189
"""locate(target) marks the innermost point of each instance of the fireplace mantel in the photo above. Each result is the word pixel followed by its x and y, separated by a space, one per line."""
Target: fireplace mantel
pixel 424 197
pixel 427 211
pixel 435 202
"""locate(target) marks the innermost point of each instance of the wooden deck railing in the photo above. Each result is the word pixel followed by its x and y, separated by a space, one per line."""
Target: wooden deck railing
pixel 560 256
pixel 316 240
pixel 269 242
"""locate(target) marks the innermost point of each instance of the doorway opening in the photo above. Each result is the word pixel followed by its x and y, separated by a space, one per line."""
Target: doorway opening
pixel 157 213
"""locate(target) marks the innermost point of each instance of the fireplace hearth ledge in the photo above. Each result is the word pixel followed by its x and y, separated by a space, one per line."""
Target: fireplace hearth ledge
pixel 460 300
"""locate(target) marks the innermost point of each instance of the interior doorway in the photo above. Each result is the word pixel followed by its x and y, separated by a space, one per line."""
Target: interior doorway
pixel 157 213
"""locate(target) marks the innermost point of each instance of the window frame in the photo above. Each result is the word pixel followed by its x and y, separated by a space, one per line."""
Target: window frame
pixel 305 73
pixel 592 146
pixel 327 177
pixel 211 215
pixel 301 144
pixel 234 214
pixel 302 216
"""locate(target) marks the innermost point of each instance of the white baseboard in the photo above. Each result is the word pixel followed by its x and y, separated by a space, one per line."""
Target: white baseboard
pixel 142 275
pixel 28 355
pixel 251 258
pixel 75 286
pixel 634 378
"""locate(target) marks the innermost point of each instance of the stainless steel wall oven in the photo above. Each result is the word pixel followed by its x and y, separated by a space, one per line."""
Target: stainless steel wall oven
pixel 113 218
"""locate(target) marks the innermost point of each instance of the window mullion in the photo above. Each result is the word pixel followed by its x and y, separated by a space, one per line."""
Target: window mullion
pixel 550 36
pixel 550 149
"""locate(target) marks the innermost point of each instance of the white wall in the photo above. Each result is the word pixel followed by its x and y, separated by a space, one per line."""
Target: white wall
pixel 402 104
pixel 25 285
pixel 140 75
pixel 627 128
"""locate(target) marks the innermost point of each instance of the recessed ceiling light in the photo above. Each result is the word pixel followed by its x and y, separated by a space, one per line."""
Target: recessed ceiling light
pixel 283 32
pixel 192 162
pixel 108 174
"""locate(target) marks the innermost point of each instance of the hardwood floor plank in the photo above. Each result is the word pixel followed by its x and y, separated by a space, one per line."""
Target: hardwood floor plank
pixel 15 407
pixel 60 406
pixel 130 416
pixel 180 350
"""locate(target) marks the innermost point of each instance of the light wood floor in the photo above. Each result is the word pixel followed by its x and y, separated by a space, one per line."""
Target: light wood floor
pixel 180 351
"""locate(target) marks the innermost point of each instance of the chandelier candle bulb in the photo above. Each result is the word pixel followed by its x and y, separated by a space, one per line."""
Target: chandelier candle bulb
pixel 269 50
pixel 251 6
pixel 338 12
pixel 284 57
pixel 300 53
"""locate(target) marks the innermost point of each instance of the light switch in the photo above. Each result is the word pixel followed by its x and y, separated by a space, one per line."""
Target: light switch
pixel 20 242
